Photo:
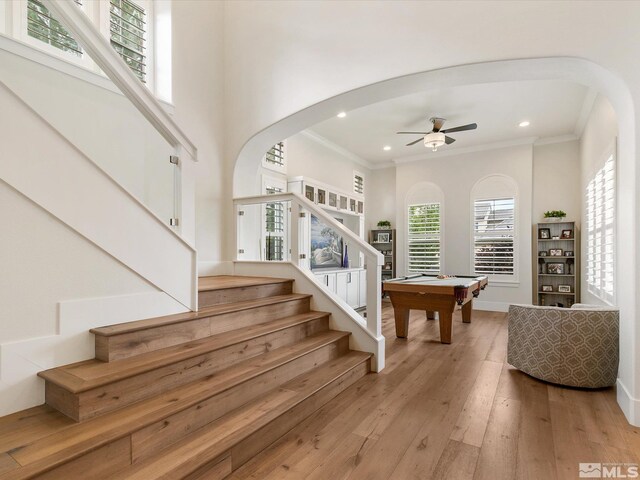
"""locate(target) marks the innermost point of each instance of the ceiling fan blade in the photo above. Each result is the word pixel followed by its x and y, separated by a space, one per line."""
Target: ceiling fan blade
pixel 413 143
pixel 437 123
pixel 449 140
pixel 413 133
pixel 471 126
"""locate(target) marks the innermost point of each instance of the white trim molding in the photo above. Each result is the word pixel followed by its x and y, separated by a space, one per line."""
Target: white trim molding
pixel 629 405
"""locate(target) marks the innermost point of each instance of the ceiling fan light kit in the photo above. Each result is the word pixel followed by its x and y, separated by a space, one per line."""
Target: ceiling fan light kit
pixel 434 140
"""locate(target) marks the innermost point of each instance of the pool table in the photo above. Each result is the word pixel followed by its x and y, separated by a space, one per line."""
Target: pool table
pixel 433 294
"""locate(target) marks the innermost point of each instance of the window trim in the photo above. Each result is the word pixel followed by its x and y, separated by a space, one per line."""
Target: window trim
pixel 598 291
pixel 408 205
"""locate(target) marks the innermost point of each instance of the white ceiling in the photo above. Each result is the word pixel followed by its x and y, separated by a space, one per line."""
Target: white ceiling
pixel 554 108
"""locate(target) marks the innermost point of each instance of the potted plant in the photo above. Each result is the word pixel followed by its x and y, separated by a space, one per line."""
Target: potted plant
pixel 384 224
pixel 555 215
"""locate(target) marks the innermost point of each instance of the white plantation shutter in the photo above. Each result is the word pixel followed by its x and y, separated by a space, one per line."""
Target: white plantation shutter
pixel 128 27
pixel 493 236
pixel 275 155
pixel 358 183
pixel 424 238
pixel 42 26
pixel 274 227
pixel 600 216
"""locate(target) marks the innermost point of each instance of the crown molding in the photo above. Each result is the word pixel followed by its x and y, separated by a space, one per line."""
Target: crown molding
pixel 585 111
pixel 325 142
pixel 569 137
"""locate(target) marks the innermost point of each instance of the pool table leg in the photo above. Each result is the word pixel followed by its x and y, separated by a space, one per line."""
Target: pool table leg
pixel 402 321
pixel 446 318
pixel 466 311
pixel 431 315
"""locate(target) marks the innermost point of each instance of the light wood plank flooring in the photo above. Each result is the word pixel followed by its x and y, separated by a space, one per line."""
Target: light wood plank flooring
pixel 454 411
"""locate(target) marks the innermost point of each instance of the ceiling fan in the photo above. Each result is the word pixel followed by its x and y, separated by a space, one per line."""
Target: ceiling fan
pixel 436 137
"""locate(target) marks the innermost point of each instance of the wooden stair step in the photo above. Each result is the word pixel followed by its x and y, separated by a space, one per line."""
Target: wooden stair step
pixel 228 289
pixel 65 448
pixel 93 387
pixel 129 339
pixel 237 436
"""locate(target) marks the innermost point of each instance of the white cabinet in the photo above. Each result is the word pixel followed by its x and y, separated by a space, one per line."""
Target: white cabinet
pixel 362 288
pixel 347 287
pixel 328 280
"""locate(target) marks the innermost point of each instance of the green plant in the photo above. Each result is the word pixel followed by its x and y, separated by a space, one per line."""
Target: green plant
pixel 555 214
pixel 384 224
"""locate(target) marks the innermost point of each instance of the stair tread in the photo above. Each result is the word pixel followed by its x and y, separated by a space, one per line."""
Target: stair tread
pixel 129 327
pixel 89 374
pixel 79 438
pixel 223 282
pixel 219 436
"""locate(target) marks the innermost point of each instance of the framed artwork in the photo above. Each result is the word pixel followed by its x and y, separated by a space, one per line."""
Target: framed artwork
pixel 542 254
pixel 326 246
pixel 564 288
pixel 383 238
pixel 547 288
pixel 555 268
pixel 544 233
pixel 555 252
pixel 568 253
pixel 567 234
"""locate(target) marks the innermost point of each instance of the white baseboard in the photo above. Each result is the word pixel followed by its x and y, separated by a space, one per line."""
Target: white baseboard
pixel 630 406
pixel 20 361
pixel 206 269
pixel 490 306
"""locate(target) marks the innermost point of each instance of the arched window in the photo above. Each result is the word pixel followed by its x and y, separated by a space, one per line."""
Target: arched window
pixel 424 210
pixel 494 218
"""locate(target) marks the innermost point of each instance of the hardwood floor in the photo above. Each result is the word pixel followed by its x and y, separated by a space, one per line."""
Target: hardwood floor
pixel 454 411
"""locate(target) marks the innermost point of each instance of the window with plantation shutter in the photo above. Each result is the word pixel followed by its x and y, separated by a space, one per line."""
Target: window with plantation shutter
pixel 358 183
pixel 494 236
pixel 423 239
pixel 275 158
pixel 600 231
pixel 128 29
pixel 42 26
pixel 274 227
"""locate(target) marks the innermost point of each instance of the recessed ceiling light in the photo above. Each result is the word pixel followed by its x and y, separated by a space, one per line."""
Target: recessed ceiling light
pixel 342 114
pixel 386 148
pixel 524 124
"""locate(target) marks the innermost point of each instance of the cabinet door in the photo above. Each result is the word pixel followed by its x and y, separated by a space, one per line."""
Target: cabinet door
pixel 353 288
pixel 310 192
pixel 327 280
pixel 341 285
pixel 362 295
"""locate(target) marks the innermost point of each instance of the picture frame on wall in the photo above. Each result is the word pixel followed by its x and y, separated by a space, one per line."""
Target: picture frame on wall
pixel 555 252
pixel 546 288
pixel 564 288
pixel 383 238
pixel 567 234
pixel 544 233
pixel 555 268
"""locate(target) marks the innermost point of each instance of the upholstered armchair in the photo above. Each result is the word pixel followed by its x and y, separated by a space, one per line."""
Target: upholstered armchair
pixel 575 346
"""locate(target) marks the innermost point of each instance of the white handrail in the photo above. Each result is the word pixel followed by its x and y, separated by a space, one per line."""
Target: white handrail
pixel 99 49
pixel 375 259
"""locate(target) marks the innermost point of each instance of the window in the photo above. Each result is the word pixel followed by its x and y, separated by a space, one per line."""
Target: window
pixel 600 220
pixel 493 236
pixel 127 26
pixel 42 26
pixel 275 158
pixel 358 183
pixel 424 238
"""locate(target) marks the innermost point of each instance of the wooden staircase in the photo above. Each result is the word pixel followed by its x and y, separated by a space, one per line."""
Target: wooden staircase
pixel 187 396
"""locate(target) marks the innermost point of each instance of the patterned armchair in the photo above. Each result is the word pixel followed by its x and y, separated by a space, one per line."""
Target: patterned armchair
pixel 575 346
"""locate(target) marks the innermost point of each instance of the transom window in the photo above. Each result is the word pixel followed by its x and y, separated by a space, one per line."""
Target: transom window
pixel 128 28
pixel 493 236
pixel 600 220
pixel 276 158
pixel 358 183
pixel 42 26
pixel 424 238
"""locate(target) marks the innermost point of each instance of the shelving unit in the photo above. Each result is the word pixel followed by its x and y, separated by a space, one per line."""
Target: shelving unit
pixel 388 249
pixel 549 277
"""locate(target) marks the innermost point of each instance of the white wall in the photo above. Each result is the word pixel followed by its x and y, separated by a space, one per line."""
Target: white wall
pixel 456 175
pixel 600 133
pixel 556 180
pixel 381 197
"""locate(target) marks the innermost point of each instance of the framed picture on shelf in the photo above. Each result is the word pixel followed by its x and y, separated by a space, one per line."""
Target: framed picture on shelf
pixel 544 233
pixel 555 237
pixel 555 252
pixel 542 254
pixel 564 288
pixel 555 268
pixel 387 266
pixel 546 288
pixel 383 238
pixel 567 234
pixel 568 253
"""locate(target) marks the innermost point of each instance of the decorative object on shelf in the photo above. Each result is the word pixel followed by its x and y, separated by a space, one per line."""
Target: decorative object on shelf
pixel 541 263
pixel 384 224
pixel 555 252
pixel 345 258
pixel 555 237
pixel 568 253
pixel 383 237
pixel 543 253
pixel 555 215
pixel 564 288
pixel 555 268
pixel 388 266
pixel 569 265
pixel 567 234
pixel 544 233
pixel 546 288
